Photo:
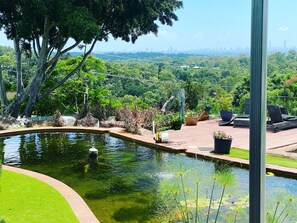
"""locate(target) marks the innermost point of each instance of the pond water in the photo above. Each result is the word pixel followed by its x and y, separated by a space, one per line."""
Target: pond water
pixel 134 183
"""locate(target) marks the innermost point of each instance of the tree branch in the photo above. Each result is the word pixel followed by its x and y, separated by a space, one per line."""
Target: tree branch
pixel 50 53
pixel 34 48
pixel 38 44
pixel 70 74
pixel 71 47
pixel 50 71
pixel 58 54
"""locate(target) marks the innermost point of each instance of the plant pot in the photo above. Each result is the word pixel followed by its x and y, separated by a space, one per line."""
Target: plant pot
pixel 226 115
pixel 193 120
pixel 222 146
pixel 204 116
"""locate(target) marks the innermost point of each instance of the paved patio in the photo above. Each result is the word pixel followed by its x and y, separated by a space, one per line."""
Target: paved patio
pixel 201 136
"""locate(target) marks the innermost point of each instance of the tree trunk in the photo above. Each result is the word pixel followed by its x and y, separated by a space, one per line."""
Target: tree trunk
pixel 18 58
pixel 32 100
pixel 3 98
pixel 45 67
pixel 15 109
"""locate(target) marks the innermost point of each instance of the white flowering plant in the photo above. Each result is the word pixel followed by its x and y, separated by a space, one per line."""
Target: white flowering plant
pixel 221 135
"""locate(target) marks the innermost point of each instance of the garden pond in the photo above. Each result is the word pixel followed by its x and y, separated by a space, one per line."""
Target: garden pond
pixel 133 183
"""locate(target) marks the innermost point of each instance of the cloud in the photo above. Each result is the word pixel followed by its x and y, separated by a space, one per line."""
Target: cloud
pixel 283 29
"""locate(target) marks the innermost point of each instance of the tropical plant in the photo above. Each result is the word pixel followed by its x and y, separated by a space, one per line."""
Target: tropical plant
pixel 225 103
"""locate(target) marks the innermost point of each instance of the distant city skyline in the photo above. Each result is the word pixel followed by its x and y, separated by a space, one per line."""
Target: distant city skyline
pixel 212 25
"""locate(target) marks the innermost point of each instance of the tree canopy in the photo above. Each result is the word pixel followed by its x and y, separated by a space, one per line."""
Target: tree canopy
pixel 42 29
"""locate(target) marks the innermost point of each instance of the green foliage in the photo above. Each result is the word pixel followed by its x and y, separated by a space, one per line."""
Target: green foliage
pixel 83 89
pixel 194 92
pixel 167 121
pixel 44 27
pixel 150 80
pixel 82 21
pixel 191 113
pixel 225 101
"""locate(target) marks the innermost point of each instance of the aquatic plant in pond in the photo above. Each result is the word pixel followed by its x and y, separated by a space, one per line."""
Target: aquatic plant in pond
pixel 133 183
pixel 199 205
pixel 207 207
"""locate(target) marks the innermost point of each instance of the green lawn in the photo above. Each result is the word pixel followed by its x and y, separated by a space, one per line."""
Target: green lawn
pixel 26 199
pixel 270 159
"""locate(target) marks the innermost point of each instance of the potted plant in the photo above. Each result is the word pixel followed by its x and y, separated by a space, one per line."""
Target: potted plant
pixel 191 118
pixel 222 142
pixel 226 107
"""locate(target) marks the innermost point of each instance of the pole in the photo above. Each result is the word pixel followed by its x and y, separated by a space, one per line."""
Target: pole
pixel 258 111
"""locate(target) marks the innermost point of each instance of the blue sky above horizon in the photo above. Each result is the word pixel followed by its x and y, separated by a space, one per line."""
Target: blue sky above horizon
pixel 212 24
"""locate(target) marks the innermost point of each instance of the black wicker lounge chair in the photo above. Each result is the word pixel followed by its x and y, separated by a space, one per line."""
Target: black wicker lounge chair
pixel 278 120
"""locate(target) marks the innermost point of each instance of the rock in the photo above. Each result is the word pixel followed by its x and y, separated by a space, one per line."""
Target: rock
pixel 111 119
pixel 69 120
pixel 109 122
pixel 24 122
pixel 88 121
pixel 7 122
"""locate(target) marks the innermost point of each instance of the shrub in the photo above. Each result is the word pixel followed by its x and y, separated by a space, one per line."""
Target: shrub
pixel 167 121
pixel 131 119
pixel 103 112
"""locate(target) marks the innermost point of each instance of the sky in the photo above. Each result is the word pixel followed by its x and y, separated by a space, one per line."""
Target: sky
pixel 214 24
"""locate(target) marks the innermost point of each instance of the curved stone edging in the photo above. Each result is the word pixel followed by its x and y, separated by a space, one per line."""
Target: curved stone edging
pixel 78 205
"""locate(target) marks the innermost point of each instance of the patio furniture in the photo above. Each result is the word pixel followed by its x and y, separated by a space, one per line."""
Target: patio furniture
pixel 278 120
pixel 241 120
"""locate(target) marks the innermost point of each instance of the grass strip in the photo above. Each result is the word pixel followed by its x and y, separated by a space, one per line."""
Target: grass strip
pixel 270 159
pixel 26 199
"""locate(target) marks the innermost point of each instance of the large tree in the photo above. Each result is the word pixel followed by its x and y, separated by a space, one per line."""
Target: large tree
pixel 44 28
